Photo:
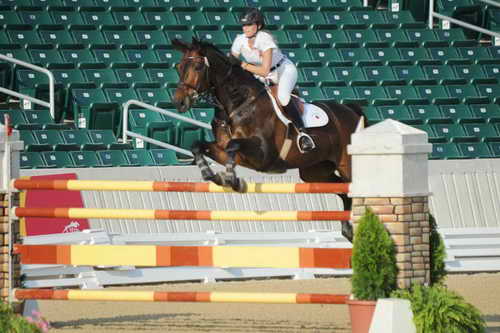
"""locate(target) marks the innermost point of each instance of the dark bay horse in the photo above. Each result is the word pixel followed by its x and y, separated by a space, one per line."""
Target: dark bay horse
pixel 248 131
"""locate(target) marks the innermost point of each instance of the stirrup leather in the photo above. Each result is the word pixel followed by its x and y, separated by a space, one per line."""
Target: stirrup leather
pixel 301 135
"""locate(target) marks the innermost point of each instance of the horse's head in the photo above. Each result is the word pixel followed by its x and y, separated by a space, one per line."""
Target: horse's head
pixel 193 73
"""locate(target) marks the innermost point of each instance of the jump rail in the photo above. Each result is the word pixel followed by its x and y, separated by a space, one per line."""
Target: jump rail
pixel 159 186
pixel 159 296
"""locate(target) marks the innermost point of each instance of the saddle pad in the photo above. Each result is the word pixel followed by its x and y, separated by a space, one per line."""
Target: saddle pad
pixel 314 116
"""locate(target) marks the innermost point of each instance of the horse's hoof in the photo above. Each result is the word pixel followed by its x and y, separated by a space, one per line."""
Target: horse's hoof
pixel 239 185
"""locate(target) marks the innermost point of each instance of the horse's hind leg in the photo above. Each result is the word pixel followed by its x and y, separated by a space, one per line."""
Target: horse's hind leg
pixel 324 172
pixel 206 172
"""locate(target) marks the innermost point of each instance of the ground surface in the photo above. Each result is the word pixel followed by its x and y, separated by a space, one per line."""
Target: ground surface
pixel 482 290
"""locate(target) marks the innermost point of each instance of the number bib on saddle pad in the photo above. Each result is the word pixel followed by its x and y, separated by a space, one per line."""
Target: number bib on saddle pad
pixel 314 116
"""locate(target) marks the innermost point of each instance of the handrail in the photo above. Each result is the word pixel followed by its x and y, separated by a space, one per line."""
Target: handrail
pixel 126 132
pixel 51 103
pixel 433 14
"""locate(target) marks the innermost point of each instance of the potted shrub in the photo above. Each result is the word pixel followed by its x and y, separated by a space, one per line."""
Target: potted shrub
pixel 374 270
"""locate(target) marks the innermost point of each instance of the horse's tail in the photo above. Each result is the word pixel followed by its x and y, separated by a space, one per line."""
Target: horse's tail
pixel 358 110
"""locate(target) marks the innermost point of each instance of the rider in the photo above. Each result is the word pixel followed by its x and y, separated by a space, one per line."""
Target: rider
pixel 264 59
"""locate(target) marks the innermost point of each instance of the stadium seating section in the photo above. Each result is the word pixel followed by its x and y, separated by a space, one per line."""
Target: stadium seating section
pixel 105 52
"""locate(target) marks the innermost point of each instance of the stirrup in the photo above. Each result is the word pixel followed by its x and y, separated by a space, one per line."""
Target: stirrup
pixel 301 135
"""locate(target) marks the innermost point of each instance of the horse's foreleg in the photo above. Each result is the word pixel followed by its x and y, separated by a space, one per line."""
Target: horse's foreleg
pixel 237 184
pixel 207 173
pixel 347 230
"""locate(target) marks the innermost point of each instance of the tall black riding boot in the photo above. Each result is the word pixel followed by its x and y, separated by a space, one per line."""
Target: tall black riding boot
pixel 304 142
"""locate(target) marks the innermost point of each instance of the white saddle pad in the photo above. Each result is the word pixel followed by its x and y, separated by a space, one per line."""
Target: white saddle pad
pixel 314 116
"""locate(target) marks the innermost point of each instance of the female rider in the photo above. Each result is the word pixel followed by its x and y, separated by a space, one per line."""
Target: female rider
pixel 265 60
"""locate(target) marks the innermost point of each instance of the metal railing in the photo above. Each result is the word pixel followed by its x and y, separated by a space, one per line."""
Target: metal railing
pixel 126 133
pixel 433 14
pixel 49 104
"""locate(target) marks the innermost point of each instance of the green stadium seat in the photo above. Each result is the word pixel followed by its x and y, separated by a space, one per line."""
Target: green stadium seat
pixel 421 35
pixel 318 76
pixel 494 51
pixel 333 37
pixel 413 53
pixel 150 35
pixel 458 113
pixel 167 55
pixel 22 35
pixel 401 17
pixel 369 17
pixel 439 72
pixel 110 3
pixel 163 131
pixel 191 19
pixel 372 94
pixel 361 36
pixel 217 37
pixel 306 38
pixel 185 35
pixel 464 92
pixel 474 53
pixel 225 20
pixel 31 143
pixel 433 93
pixel 112 158
pixel 488 112
pixel 15 51
pixel 450 35
pixel 128 16
pixel 371 114
pixel 139 120
pixel 52 139
pixel 380 74
pixel 159 16
pixel 470 72
pixel 162 74
pixel 187 134
pixel 354 55
pixel 107 137
pixel 119 92
pixel 490 90
pixel 491 70
pixel 299 56
pixel 66 74
pixel 82 3
pixel 85 159
pixel 66 16
pixel 40 117
pixel 311 18
pixel 426 113
pixel 76 54
pixel 445 151
pixel 451 132
pixel 80 138
pixel 164 157
pixel 484 132
pixel 57 159
pixel 430 132
pixel 311 93
pixel 494 148
pixel 443 54
pixel 281 20
pixel 139 54
pixel 396 112
pixel 340 18
pixel 87 34
pixel 340 94
pixel 176 5
pixel 55 34
pixel 384 54
pixel 97 16
pixel 348 74
pixel 107 54
pixel 474 150
pixel 409 73
pixel 326 55
pixel 34 15
pixel 130 73
pixel 153 93
pixel 140 157
pixel 44 54
pixel 98 73
pixel 119 35
pixel 9 17
pixel 31 160
pixel 402 93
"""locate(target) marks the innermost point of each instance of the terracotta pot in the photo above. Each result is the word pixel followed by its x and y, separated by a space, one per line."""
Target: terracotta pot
pixel 361 315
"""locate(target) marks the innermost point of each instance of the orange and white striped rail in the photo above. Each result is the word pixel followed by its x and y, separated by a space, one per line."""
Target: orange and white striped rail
pixel 159 186
pixel 165 256
pixel 160 214
pixel 161 296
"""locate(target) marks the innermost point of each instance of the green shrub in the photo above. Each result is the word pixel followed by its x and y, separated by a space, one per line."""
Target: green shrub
pixel 438 253
pixel 14 323
pixel 373 260
pixel 439 310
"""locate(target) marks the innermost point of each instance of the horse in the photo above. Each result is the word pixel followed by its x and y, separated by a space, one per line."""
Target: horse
pixel 248 131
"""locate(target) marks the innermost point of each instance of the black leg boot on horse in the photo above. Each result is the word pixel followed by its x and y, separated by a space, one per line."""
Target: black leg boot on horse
pixel 304 142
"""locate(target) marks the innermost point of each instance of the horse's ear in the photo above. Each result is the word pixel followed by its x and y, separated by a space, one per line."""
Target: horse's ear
pixel 180 45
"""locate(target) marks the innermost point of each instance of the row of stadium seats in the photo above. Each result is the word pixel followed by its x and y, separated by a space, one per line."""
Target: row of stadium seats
pixel 101 158
pixel 465 150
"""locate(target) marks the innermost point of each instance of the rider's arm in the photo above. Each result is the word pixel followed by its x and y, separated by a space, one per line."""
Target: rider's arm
pixel 263 69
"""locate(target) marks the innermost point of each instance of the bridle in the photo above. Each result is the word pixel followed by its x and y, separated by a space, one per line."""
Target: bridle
pixel 208 95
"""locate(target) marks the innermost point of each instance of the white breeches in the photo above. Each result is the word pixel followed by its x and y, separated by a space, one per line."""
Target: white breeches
pixel 287 78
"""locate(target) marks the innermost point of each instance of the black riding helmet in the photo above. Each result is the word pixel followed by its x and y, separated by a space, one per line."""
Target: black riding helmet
pixel 251 16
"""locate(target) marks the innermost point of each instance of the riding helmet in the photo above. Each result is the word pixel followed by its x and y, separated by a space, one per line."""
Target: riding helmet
pixel 251 16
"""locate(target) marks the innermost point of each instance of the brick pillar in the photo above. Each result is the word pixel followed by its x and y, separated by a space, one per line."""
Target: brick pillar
pixel 389 175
